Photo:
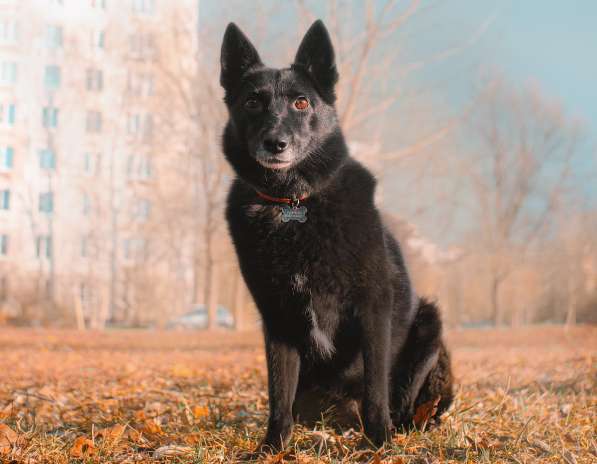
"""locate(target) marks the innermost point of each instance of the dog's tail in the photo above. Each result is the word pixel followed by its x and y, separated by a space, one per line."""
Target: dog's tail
pixel 427 329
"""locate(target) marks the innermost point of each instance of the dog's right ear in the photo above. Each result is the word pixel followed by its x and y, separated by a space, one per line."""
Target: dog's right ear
pixel 237 57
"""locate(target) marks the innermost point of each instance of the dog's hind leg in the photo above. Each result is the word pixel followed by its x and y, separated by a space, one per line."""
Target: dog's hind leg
pixel 422 370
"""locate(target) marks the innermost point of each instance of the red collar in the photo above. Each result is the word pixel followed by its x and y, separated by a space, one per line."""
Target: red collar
pixel 288 201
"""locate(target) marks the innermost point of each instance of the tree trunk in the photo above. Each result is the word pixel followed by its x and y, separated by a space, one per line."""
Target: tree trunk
pixel 239 303
pixel 211 293
pixel 496 310
pixel 571 311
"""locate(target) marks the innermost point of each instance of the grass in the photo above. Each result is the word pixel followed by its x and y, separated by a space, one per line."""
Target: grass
pixel 523 396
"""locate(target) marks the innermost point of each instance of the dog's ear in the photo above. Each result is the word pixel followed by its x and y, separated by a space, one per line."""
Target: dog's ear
pixel 237 57
pixel 316 55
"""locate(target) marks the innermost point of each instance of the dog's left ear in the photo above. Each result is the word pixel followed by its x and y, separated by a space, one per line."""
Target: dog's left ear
pixel 316 56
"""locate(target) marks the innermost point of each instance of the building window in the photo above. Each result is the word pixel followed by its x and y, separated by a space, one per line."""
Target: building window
pixel 95 80
pixel 49 117
pixel 47 159
pixel 7 114
pixel 46 202
pixel 134 124
pixel 138 167
pixel 5 199
pixel 140 125
pixel 143 6
pixel 8 72
pixel 98 39
pixel 94 121
pixel 148 127
pixel 141 209
pixel 54 36
pixel 86 209
pixel 135 249
pixel 52 76
pixel 8 32
pixel 6 158
pixel 142 46
pixel 140 84
pixel 91 163
pixel 43 246
pixel 3 244
pixel 84 248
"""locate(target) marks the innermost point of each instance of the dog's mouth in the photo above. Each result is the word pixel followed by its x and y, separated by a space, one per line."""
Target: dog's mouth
pixel 274 163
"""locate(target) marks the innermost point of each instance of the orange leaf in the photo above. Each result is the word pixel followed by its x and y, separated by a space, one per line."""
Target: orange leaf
pixel 112 434
pixel 8 438
pixel 181 371
pixel 193 438
pixel 200 411
pixel 276 458
pixel 135 436
pixel 82 448
pixel 151 428
pixel 425 412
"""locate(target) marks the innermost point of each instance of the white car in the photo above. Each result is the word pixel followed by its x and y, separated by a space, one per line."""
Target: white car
pixel 197 318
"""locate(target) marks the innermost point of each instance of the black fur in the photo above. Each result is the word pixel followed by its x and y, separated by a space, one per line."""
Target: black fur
pixel 340 318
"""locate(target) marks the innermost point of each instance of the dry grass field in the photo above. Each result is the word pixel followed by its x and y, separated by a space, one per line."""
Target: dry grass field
pixel 523 396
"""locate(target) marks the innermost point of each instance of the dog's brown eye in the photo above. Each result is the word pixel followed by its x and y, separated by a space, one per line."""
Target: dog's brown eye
pixel 301 103
pixel 252 104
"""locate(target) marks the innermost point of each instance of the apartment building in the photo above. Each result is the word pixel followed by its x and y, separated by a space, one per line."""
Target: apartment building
pixel 78 164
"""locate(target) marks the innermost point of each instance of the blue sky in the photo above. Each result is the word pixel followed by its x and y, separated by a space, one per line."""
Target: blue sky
pixel 552 43
pixel 549 44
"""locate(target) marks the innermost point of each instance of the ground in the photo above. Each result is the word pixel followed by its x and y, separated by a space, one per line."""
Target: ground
pixel 523 396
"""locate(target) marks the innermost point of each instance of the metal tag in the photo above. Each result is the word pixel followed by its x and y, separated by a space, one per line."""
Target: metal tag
pixel 298 213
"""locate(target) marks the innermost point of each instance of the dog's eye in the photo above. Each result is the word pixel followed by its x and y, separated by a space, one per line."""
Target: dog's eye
pixel 301 103
pixel 252 104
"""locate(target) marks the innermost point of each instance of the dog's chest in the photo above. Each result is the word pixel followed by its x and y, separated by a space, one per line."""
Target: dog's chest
pixel 309 256
pixel 305 263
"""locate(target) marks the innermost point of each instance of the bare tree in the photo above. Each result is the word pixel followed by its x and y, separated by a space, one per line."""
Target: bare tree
pixel 518 171
pixel 190 127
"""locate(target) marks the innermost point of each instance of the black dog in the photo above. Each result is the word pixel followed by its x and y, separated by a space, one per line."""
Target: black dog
pixel 339 313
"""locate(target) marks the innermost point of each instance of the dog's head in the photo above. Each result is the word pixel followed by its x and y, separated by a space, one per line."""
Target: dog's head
pixel 279 118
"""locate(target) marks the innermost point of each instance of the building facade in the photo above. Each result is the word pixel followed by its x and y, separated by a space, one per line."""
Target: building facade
pixel 79 165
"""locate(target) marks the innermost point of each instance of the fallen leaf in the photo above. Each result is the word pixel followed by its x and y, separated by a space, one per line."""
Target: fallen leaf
pixel 172 451
pixel 200 412
pixel 541 445
pixel 276 458
pixel 181 371
pixel 425 412
pixel 112 434
pixel 82 448
pixel 192 438
pixel 150 427
pixel 569 457
pixel 322 437
pixel 8 438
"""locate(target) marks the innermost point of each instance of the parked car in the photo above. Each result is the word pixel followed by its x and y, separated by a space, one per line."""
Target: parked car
pixel 197 318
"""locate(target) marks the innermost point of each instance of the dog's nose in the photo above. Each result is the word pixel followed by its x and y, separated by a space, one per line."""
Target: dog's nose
pixel 275 146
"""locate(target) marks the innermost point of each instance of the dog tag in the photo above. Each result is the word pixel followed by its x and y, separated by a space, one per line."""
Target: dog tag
pixel 298 213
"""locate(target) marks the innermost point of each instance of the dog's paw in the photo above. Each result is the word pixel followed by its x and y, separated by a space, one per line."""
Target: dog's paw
pixel 379 432
pixel 403 420
pixel 258 454
pixel 248 456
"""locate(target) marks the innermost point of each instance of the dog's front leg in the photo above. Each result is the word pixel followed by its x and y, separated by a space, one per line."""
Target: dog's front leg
pixel 377 329
pixel 283 363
